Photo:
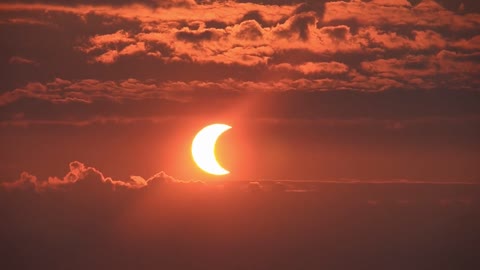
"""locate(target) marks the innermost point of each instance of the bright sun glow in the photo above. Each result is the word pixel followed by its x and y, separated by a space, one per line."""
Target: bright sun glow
pixel 203 148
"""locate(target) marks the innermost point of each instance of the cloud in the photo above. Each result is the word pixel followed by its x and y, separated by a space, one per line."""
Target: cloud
pixel 256 16
pixel 79 176
pixel 112 55
pixel 124 228
pixel 425 14
pixel 27 21
pixel 22 61
pixel 88 179
pixel 116 3
pixel 230 12
pixel 422 40
pixel 298 26
pixel 89 91
pixel 82 177
pixel 20 120
pixel 428 71
pixel 118 37
pixel 191 36
pixel 395 3
pixel 251 44
pixel 85 91
pixel 250 40
pixel 255 40
pixel 248 30
pixel 314 68
pixel 337 100
pixel 25 182
pixel 472 44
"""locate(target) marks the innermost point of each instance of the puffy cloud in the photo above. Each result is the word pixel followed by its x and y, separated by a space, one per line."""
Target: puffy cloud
pixel 255 35
pixel 82 177
pixel 79 176
pixel 249 43
pixel 248 30
pixel 25 182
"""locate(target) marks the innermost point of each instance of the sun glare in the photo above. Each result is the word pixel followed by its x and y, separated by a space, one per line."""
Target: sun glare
pixel 203 148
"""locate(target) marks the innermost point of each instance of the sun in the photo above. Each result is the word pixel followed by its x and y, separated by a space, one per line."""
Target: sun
pixel 203 148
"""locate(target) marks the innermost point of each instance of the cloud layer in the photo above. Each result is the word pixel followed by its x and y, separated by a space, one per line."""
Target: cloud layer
pixel 87 220
pixel 349 44
pixel 85 179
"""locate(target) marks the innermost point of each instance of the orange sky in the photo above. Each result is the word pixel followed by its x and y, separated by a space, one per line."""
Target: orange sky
pixel 354 140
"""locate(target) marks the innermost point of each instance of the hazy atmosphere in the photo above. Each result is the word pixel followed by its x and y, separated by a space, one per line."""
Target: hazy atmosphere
pixel 351 134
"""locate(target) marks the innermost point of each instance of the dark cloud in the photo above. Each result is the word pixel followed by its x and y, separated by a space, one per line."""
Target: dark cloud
pixel 299 25
pixel 150 227
pixel 317 6
pixel 150 3
pixel 338 32
pixel 253 38
pixel 215 24
pixel 82 100
pixel 194 36
pixel 256 16
pixel 461 5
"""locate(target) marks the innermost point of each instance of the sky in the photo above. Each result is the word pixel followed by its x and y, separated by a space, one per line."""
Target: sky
pixel 368 90
pixel 349 119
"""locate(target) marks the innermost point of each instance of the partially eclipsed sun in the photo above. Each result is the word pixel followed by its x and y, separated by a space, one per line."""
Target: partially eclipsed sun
pixel 203 148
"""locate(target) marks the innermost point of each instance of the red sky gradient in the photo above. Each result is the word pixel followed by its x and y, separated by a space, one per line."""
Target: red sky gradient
pixel 355 140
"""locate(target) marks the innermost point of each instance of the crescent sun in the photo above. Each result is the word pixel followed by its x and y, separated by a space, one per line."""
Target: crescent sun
pixel 203 148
